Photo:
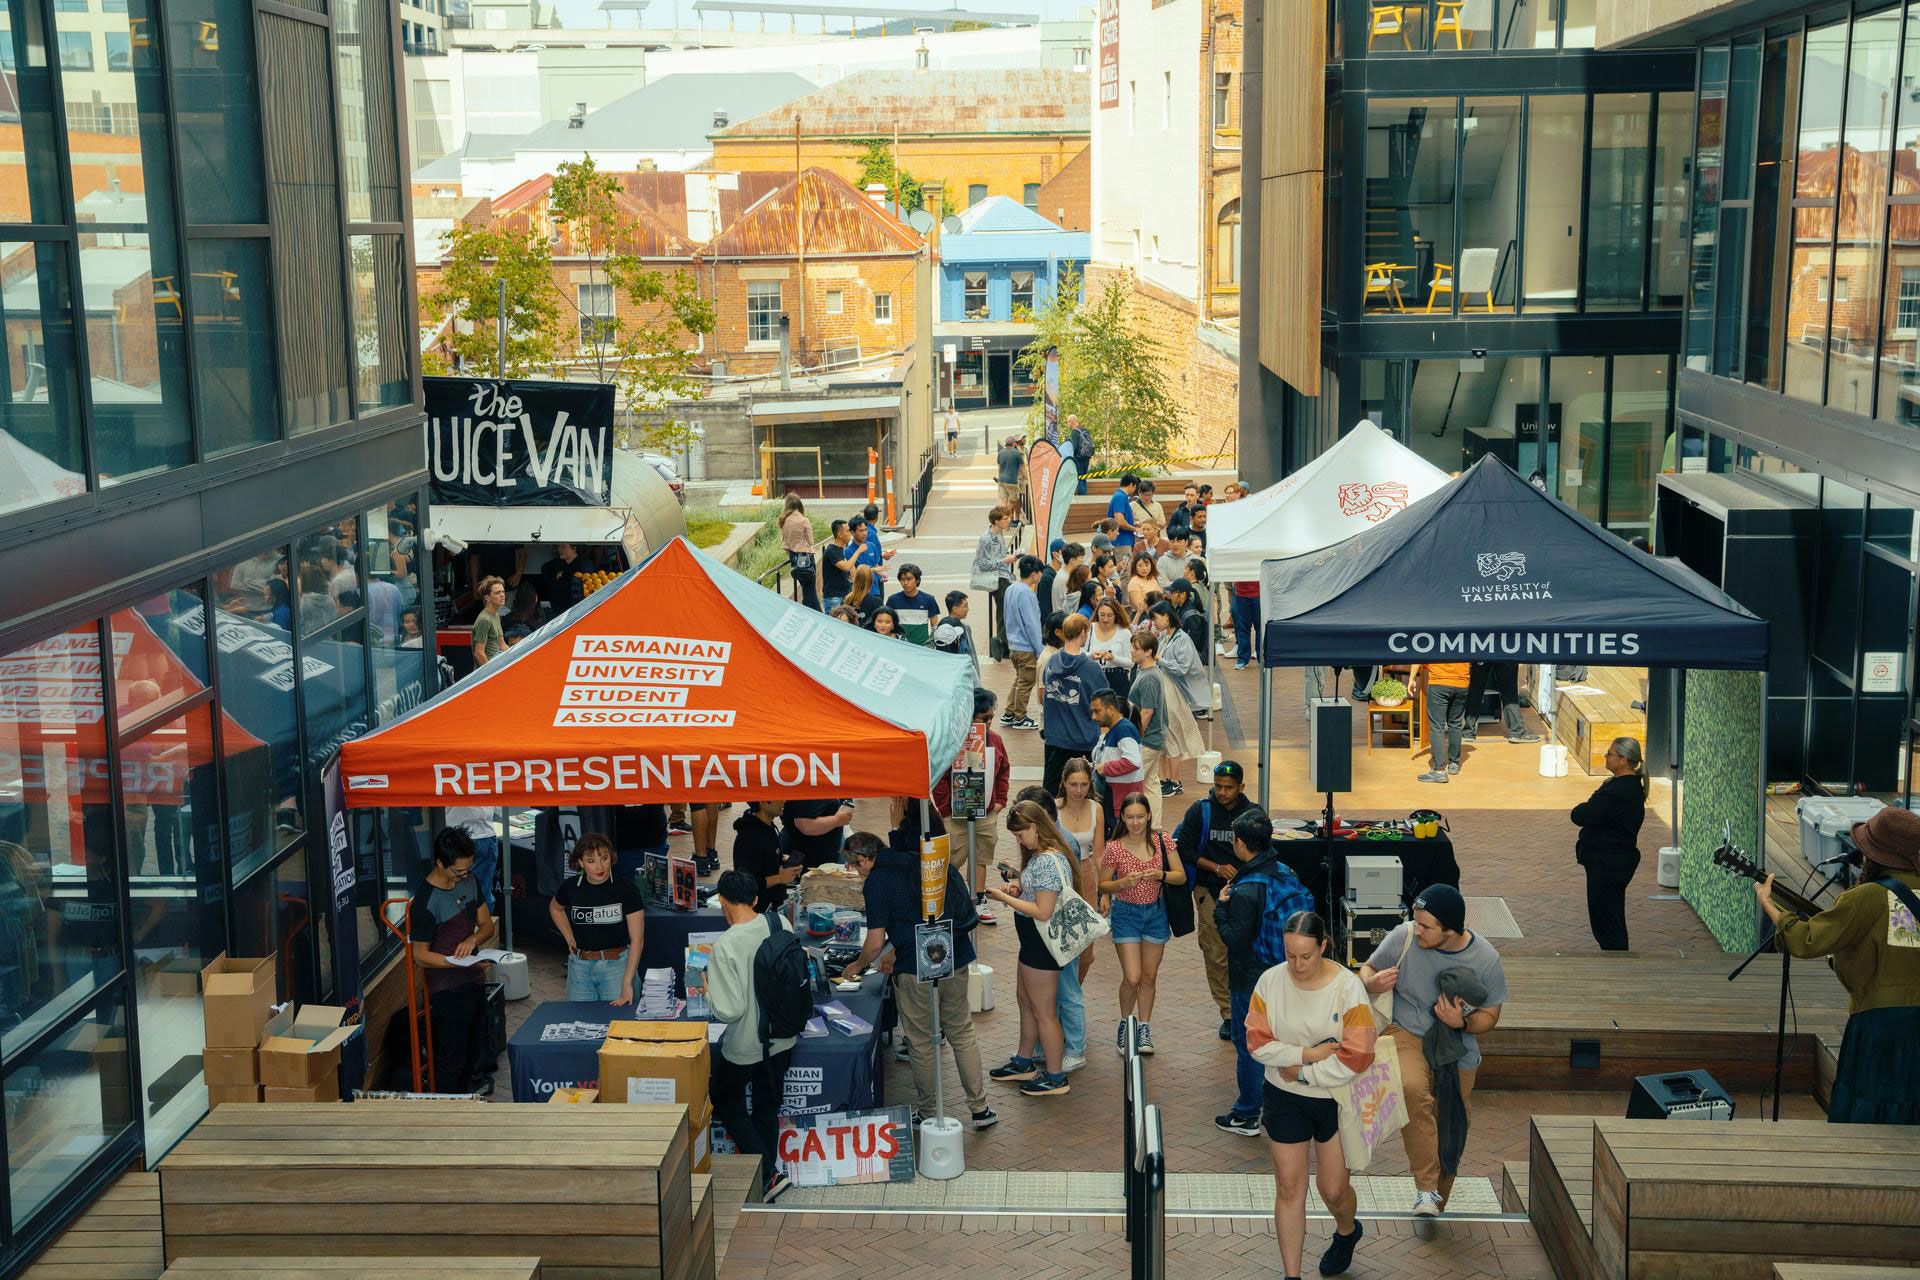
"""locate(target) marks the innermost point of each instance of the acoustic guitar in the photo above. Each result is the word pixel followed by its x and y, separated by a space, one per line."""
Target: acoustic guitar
pixel 1731 859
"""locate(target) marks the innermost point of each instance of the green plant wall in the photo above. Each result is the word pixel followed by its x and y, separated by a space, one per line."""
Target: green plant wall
pixel 1721 780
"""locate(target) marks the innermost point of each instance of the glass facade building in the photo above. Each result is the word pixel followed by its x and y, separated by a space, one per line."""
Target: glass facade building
pixel 1796 475
pixel 211 490
pixel 1504 246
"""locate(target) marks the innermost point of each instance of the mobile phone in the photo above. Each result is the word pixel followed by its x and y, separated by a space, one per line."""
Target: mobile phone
pixel 1007 873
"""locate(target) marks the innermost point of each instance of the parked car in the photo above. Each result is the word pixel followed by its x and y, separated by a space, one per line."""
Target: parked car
pixel 668 472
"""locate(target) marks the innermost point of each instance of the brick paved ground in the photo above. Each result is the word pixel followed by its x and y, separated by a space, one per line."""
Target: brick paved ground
pixel 802 1246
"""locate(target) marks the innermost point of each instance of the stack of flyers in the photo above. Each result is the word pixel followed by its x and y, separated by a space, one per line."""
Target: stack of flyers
pixel 570 1031
pixel 845 1019
pixel 656 995
pixel 815 1028
pixel 696 982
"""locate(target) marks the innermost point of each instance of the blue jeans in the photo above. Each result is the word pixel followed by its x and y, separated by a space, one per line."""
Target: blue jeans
pixel 1071 1004
pixel 486 862
pixel 1246 627
pixel 597 979
pixel 1249 1076
pixel 829 603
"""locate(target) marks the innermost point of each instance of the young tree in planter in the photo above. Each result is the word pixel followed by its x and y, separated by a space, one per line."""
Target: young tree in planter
pixel 473 262
pixel 1109 375
pixel 640 325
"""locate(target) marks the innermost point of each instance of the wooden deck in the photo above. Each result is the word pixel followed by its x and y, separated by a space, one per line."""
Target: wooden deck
pixel 1841 1271
pixel 117 1239
pixel 1587 722
pixel 1650 1014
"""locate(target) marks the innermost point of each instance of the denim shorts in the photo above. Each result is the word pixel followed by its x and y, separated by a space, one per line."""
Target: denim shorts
pixel 1134 922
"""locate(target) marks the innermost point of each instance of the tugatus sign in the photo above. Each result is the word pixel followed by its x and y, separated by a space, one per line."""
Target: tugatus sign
pixel 519 444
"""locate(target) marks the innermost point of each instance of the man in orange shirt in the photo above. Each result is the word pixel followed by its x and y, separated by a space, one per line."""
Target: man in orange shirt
pixel 1446 715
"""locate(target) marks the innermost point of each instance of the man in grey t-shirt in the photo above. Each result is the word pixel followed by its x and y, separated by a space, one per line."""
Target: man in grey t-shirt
pixel 1440 940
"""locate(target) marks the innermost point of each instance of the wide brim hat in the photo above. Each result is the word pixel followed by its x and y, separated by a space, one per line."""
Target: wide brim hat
pixel 1891 838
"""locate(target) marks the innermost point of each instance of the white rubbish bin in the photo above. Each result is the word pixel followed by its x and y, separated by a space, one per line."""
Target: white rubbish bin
pixel 511 971
pixel 980 988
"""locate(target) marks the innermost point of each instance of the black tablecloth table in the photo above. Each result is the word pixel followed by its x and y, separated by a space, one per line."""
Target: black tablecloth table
pixel 833 1072
pixel 1321 864
pixel 663 943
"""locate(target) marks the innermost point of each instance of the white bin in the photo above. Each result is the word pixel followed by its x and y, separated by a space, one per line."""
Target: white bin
pixel 980 987
pixel 1825 819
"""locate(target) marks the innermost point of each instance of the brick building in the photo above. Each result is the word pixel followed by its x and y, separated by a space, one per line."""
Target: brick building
pixel 964 135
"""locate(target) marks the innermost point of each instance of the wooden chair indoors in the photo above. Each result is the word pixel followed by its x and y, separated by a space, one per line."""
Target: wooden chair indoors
pixel 1476 276
pixel 1389 20
pixel 1459 19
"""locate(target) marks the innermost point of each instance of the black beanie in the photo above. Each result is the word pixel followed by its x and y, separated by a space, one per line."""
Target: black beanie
pixel 1444 903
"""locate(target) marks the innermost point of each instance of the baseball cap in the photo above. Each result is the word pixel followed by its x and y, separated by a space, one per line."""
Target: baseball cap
pixel 1058 544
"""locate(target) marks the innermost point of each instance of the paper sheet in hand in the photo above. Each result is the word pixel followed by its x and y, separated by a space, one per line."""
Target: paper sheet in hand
pixel 486 955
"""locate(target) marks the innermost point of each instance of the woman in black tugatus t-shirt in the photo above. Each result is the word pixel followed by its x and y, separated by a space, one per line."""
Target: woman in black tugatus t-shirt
pixel 601 916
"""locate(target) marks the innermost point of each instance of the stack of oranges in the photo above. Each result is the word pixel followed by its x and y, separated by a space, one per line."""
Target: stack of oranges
pixel 592 582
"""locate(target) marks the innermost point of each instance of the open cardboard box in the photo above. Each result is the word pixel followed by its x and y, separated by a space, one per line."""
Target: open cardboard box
pixel 302 1047
pixel 236 1000
pixel 656 1062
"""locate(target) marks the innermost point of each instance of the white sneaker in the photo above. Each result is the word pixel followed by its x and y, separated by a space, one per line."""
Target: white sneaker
pixel 1072 1062
pixel 1427 1204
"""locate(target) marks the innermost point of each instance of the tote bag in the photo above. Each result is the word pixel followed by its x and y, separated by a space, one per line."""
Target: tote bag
pixel 1178 898
pixel 1073 926
pixel 1373 1107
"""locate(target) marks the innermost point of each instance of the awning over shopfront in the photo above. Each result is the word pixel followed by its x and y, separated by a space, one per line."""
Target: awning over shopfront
pixel 1349 489
pixel 1489 568
pixel 681 681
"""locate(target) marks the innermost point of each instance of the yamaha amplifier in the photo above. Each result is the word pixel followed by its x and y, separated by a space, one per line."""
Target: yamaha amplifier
pixel 1682 1095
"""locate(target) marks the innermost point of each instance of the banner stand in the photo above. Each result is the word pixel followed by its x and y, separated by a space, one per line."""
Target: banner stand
pixel 942 1153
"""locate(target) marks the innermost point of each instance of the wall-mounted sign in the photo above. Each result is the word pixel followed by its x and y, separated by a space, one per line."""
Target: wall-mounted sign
pixel 520 444
pixel 1109 53
pixel 1881 672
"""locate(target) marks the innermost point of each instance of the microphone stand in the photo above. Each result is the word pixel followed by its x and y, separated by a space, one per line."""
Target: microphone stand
pixel 1780 1028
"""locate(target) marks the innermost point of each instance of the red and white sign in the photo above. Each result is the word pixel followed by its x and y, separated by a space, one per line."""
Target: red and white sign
pixel 839 1148
pixel 1109 53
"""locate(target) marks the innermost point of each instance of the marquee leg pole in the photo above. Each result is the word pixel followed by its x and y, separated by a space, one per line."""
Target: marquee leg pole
pixel 1266 734
pixel 504 869
pixel 933 989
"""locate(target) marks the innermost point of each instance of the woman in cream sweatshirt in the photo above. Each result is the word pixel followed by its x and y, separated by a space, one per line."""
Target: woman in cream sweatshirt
pixel 1310 1024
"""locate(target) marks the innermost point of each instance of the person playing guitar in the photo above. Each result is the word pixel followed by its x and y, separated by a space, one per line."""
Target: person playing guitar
pixel 1872 933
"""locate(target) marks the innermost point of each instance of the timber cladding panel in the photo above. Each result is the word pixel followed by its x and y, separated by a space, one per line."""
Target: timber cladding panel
pixel 1292 175
pixel 592 1191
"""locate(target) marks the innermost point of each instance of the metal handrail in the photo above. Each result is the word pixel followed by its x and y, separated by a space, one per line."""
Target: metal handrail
pixel 1143 1174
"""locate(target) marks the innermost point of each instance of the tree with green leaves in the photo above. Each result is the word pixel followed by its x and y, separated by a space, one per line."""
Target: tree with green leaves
pixel 641 329
pixel 876 165
pixel 473 263
pixel 1110 375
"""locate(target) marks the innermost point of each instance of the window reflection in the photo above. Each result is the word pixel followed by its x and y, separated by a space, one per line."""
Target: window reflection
pixel 64 1106
pixel 1709 155
pixel 1670 179
pixel 40 455
pixel 1899 377
pixel 273 916
pixel 135 354
pixel 233 347
pixel 1861 215
pixel 29 192
pixel 328 585
pixel 262 772
pixel 1616 201
pixel 1809 272
pixel 379 323
pixel 1488 277
pixel 1639 424
pixel 1408 249
pixel 59 893
pixel 210 43
pixel 1574 459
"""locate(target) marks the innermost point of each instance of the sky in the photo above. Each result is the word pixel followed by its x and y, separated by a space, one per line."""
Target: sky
pixel 586 13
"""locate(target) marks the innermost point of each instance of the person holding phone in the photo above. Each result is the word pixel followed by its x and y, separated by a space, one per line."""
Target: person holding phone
pixel 815 829
pixel 1046 868
pixel 1135 871
pixel 600 916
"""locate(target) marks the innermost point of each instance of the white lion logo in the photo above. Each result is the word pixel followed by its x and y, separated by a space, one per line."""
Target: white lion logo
pixel 1374 501
pixel 1503 565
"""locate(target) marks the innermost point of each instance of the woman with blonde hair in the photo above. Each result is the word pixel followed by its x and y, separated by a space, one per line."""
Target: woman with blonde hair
pixel 1046 869
pixel 861 597
pixel 1142 578
pixel 1609 843
pixel 796 537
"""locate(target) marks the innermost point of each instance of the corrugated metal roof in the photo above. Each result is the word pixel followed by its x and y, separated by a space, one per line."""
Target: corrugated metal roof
pixel 1017 246
pixel 872 103
pixel 446 167
pixel 1002 213
pixel 674 113
pixel 650 235
pixel 666 194
pixel 838 220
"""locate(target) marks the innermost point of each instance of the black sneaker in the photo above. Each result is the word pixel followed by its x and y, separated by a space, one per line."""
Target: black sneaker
pixel 1145 1045
pixel 1245 1126
pixel 1024 722
pixel 779 1184
pixel 1043 1085
pixel 1339 1254
pixel 1015 1070
pixel 679 827
pixel 1226 1028
pixel 986 1119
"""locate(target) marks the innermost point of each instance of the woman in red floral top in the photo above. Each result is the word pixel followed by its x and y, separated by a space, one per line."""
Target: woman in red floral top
pixel 1133 870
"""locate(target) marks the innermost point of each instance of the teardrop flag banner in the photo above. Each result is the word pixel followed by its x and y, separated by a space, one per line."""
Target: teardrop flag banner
pixel 1043 470
pixel 1064 484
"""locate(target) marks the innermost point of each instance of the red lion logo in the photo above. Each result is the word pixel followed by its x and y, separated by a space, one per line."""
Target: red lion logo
pixel 1374 501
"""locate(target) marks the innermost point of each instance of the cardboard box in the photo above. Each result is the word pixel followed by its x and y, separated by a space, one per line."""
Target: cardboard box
pixel 302 1047
pixel 565 1095
pixel 219 1093
pixel 700 1129
pixel 327 1090
pixel 656 1062
pixel 231 1066
pixel 174 976
pixel 237 1000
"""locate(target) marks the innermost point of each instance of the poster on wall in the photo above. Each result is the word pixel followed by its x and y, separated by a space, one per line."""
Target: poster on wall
pixel 1109 53
pixel 500 443
pixel 842 1148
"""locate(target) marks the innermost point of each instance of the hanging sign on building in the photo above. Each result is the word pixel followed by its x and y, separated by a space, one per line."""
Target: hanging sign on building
pixel 1109 53
pixel 520 444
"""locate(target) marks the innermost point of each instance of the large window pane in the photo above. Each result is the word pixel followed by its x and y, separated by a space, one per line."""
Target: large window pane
pixel 59 891
pixel 1575 455
pixel 1899 398
pixel 1710 122
pixel 393 612
pixel 1670 145
pixel 333 682
pixel 273 915
pixel 159 657
pixel 29 186
pixel 1466 25
pixel 1576 30
pixel 1616 201
pixel 1489 204
pixel 1822 89
pixel 64 1106
pixel 1527 24
pixel 136 355
pixel 1809 278
pixel 328 585
pixel 1552 255
pixel 1768 288
pixel 1862 212
pixel 116 120
pixel 40 452
pixel 379 323
pixel 1637 432
pixel 364 42
pixel 215 101
pixel 1409 215
pixel 233 349
pixel 261 762
pixel 170 809
pixel 1460 410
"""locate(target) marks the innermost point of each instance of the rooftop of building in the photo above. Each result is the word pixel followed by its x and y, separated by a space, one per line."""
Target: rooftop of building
pixel 674 113
pixel 875 103
pixel 836 218
pixel 999 229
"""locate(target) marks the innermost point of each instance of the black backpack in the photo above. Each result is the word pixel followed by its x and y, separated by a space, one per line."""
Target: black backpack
pixel 782 983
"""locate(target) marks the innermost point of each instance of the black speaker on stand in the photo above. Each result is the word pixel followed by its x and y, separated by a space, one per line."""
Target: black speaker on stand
pixel 1679 1095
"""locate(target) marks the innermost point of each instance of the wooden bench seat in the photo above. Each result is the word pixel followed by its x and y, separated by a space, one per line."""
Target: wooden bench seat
pixel 275 1268
pixel 593 1191
pixel 1587 723
pixel 736 1184
pixel 1841 1271
pixel 1513 1186
pixel 1560 1192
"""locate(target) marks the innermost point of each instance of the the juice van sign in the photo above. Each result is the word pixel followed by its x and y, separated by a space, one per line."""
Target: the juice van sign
pixel 519 444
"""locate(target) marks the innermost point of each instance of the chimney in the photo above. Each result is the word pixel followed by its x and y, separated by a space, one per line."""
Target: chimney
pixel 786 355
pixel 719 117
pixel 920 55
pixel 577 118
pixel 877 192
